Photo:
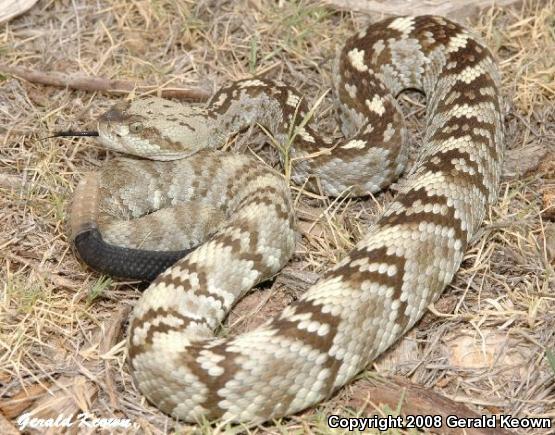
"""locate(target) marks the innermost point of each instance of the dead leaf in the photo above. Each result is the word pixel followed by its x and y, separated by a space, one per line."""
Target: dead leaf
pixel 12 8
pixel 522 161
pixel 450 8
pixel 19 402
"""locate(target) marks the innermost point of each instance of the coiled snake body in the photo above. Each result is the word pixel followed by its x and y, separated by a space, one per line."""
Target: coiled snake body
pixel 138 216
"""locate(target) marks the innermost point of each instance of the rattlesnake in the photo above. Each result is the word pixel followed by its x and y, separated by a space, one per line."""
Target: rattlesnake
pixel 124 217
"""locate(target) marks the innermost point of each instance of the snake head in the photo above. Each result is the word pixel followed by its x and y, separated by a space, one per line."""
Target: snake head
pixel 155 128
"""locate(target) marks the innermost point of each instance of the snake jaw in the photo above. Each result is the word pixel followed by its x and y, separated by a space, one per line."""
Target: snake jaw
pixel 118 137
pixel 112 137
pixel 167 131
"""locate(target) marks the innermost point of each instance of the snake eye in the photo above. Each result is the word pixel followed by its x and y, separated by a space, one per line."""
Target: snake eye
pixel 135 127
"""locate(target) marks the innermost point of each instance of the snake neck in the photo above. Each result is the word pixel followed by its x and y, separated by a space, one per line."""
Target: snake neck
pixel 308 156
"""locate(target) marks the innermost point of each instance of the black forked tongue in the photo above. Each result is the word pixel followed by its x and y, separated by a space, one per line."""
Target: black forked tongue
pixel 72 133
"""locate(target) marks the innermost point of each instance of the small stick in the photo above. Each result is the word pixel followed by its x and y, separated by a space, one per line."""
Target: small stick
pixel 92 83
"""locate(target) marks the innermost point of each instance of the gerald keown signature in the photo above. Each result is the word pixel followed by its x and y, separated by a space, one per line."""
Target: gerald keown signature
pixel 85 419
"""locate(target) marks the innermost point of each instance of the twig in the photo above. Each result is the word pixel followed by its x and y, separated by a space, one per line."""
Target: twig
pixel 109 340
pixel 412 399
pixel 92 83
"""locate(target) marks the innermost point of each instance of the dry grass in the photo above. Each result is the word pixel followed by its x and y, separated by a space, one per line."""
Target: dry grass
pixel 488 339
